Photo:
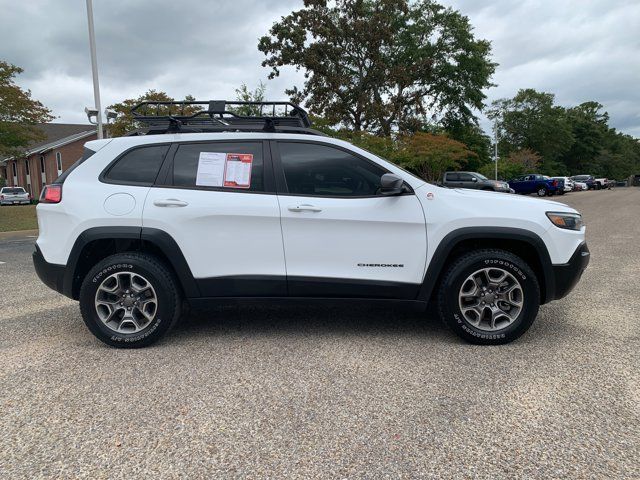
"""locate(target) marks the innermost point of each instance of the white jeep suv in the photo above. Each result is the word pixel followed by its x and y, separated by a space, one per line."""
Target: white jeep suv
pixel 214 206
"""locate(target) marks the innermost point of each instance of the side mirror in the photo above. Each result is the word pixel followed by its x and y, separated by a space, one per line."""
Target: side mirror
pixel 391 184
pixel 474 179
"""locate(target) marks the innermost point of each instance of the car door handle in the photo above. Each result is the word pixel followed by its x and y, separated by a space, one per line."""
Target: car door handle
pixel 170 202
pixel 304 208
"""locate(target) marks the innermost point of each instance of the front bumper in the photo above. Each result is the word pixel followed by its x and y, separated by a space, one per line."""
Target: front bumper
pixel 52 275
pixel 566 276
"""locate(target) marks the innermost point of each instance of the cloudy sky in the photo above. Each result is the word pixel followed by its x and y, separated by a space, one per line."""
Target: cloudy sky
pixel 578 50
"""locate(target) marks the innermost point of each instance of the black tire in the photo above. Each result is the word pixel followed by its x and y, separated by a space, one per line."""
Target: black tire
pixel 457 274
pixel 169 301
pixel 561 192
pixel 542 191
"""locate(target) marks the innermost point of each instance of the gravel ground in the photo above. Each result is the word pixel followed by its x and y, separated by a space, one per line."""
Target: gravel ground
pixel 308 392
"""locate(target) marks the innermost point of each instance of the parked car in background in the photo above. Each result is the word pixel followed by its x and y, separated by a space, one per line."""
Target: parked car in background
pixel 588 179
pixel 473 180
pixel 568 183
pixel 580 186
pixel 14 196
pixel 559 186
pixel 601 183
pixel 534 183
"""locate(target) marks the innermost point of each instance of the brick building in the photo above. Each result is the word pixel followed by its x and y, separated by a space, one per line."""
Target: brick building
pixel 48 158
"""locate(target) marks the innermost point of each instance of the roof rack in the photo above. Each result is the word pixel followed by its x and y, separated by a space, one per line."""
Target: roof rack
pixel 220 116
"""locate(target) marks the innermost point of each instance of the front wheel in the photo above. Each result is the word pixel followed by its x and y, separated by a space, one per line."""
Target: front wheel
pixel 129 300
pixel 489 297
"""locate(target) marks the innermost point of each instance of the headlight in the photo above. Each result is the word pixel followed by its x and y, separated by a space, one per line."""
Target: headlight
pixel 570 221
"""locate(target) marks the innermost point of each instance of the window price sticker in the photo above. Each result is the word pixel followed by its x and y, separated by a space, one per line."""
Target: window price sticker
pixel 237 171
pixel 231 170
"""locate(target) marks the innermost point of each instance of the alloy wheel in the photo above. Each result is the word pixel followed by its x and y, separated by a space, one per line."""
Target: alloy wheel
pixel 126 302
pixel 491 299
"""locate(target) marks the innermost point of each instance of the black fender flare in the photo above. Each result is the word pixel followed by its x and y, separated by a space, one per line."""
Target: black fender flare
pixel 449 242
pixel 162 240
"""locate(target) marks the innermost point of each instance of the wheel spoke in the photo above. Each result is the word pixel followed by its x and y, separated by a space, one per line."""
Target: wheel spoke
pixel 495 314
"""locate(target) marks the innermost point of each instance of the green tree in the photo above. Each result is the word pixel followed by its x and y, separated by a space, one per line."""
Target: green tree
pixel 125 121
pixel 370 65
pixel 515 164
pixel 589 128
pixel 530 120
pixel 19 114
pixel 476 140
pixel 429 156
pixel 243 94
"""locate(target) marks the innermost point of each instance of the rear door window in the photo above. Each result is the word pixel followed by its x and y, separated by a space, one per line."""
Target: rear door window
pixel 466 177
pixel 241 167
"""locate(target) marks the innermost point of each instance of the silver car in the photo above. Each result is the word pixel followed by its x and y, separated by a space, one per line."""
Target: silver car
pixel 14 196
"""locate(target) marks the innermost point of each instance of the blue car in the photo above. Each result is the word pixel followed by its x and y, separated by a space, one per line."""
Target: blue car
pixel 538 184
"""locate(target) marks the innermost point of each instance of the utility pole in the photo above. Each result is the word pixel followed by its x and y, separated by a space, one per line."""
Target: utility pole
pixel 495 145
pixel 94 66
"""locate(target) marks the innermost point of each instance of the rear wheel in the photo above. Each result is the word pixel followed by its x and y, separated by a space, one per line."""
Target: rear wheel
pixel 129 300
pixel 542 191
pixel 489 297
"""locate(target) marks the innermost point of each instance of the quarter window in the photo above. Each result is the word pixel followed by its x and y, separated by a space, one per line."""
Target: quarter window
pixel 320 170
pixel 139 166
pixel 190 156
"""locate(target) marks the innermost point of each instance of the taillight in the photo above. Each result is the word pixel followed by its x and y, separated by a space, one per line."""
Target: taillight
pixel 51 194
pixel 1 197
pixel 555 183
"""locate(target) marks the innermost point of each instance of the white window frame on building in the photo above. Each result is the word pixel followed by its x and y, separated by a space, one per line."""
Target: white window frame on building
pixel 59 163
pixel 14 165
pixel 27 170
pixel 43 170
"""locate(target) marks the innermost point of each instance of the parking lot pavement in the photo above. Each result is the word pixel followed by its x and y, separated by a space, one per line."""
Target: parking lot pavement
pixel 307 392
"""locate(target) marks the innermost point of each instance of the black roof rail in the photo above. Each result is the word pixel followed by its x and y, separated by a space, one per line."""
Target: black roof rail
pixel 220 116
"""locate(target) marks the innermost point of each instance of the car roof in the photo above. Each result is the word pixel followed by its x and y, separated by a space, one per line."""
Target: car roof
pixel 132 141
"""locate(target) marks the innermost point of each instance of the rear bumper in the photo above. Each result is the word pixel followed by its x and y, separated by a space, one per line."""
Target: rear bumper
pixel 50 274
pixel 566 276
pixel 14 202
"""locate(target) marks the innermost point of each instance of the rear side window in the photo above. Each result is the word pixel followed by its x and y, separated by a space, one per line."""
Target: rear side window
pixel 223 166
pixel 139 166
pixel 86 153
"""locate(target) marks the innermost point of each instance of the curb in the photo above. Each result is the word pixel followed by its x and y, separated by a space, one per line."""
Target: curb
pixel 17 234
